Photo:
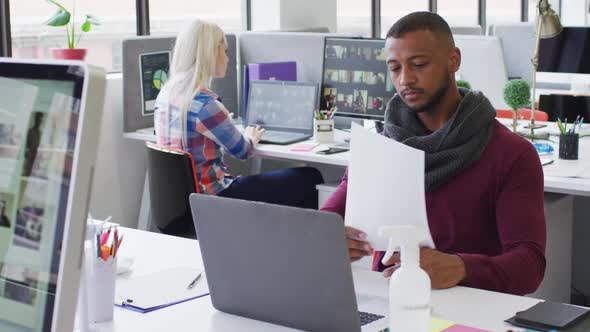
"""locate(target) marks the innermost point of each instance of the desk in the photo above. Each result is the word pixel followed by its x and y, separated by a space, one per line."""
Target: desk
pixel 463 305
pixel 553 184
pixel 558 208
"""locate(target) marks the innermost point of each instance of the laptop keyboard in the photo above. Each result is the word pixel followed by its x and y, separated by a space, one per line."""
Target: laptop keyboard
pixel 367 318
pixel 280 136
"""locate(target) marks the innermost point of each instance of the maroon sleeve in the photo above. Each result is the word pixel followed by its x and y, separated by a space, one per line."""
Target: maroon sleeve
pixel 520 220
pixel 337 201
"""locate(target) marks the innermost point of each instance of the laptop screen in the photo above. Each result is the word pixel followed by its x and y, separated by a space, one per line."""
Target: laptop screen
pixel 39 117
pixel 282 105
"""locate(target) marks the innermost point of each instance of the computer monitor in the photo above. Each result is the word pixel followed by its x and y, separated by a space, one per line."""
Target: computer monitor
pixel 146 61
pixel 482 65
pixel 568 52
pixel 49 122
pixel 355 78
pixel 565 58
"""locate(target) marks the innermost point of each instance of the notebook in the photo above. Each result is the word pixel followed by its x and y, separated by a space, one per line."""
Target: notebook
pixel 160 289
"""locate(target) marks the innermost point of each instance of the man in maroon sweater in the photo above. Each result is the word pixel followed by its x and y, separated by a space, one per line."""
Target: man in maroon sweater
pixel 484 184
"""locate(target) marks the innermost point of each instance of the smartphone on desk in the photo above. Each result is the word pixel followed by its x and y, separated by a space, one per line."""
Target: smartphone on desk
pixel 332 150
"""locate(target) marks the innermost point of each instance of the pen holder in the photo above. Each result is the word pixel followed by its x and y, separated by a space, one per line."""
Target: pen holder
pixel 323 130
pixel 568 146
pixel 100 283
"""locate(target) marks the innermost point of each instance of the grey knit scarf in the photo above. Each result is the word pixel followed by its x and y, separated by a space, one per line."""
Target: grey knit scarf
pixel 452 148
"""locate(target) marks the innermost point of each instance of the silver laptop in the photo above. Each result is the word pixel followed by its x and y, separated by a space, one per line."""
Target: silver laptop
pixel 285 109
pixel 283 265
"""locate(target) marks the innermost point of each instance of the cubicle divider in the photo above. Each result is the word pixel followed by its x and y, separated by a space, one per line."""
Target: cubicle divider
pixel 475 30
pixel 305 48
pixel 482 65
pixel 518 45
pixel 135 114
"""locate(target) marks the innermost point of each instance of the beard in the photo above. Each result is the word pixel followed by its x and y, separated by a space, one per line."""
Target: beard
pixel 435 99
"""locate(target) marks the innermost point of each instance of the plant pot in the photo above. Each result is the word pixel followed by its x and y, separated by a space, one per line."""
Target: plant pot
pixel 69 53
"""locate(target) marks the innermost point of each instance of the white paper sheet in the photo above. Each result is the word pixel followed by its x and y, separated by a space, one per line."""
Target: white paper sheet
pixel 566 168
pixel 385 186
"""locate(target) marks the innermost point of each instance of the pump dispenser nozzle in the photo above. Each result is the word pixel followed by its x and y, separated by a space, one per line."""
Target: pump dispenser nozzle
pixel 408 238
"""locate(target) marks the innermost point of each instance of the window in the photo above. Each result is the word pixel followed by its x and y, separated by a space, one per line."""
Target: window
pixel 502 11
pixel 393 10
pixel 555 5
pixel 167 17
pixel 354 17
pixel 32 39
pixel 458 12
pixel 266 15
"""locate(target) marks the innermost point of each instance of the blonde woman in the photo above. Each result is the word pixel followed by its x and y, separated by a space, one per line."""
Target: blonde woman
pixel 191 117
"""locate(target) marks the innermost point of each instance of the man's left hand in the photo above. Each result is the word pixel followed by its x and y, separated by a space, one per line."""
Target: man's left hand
pixel 445 270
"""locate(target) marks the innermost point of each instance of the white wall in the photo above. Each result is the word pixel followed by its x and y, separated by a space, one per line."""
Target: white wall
pixel 293 15
pixel 120 164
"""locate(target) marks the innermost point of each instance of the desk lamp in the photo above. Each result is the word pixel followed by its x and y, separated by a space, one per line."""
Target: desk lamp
pixel 548 26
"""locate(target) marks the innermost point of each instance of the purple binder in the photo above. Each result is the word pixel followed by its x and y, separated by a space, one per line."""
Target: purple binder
pixel 279 71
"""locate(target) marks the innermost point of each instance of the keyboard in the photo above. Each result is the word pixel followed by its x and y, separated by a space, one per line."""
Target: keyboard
pixel 282 137
pixel 367 318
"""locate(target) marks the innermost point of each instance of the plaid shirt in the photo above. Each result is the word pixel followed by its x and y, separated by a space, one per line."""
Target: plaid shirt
pixel 209 129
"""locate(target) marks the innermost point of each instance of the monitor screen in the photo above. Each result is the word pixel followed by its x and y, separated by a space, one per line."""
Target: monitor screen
pixel 282 104
pixel 153 68
pixel 568 52
pixel 40 115
pixel 355 78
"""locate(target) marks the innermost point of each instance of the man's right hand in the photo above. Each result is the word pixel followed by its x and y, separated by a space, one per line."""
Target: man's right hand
pixel 358 247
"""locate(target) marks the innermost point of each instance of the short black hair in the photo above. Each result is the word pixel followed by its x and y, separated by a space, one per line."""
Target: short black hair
pixel 421 21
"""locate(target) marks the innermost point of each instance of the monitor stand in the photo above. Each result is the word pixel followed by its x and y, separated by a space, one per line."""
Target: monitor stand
pixel 344 123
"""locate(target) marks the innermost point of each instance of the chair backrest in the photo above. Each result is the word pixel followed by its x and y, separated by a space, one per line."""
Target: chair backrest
pixel 524 114
pixel 172 178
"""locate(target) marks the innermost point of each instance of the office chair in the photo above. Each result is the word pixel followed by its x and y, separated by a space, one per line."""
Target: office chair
pixel 524 114
pixel 172 178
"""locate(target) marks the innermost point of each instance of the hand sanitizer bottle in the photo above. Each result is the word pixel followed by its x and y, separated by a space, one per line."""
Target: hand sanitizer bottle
pixel 409 286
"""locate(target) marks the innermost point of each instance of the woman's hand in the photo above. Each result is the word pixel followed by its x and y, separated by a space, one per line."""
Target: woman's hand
pixel 254 134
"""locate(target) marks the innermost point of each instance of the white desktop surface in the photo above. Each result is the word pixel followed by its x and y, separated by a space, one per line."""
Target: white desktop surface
pixel 555 184
pixel 153 252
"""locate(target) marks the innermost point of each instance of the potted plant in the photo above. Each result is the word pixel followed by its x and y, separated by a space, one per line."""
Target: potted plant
pixel 67 19
pixel 517 94
pixel 463 84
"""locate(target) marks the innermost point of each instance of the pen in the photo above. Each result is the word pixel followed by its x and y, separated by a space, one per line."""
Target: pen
pixel 194 282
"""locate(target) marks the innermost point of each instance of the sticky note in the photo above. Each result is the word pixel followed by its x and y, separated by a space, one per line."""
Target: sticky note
pixel 463 328
pixel 438 325
pixel 304 147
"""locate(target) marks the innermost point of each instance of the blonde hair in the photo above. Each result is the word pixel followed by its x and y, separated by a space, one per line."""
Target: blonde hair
pixel 193 64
